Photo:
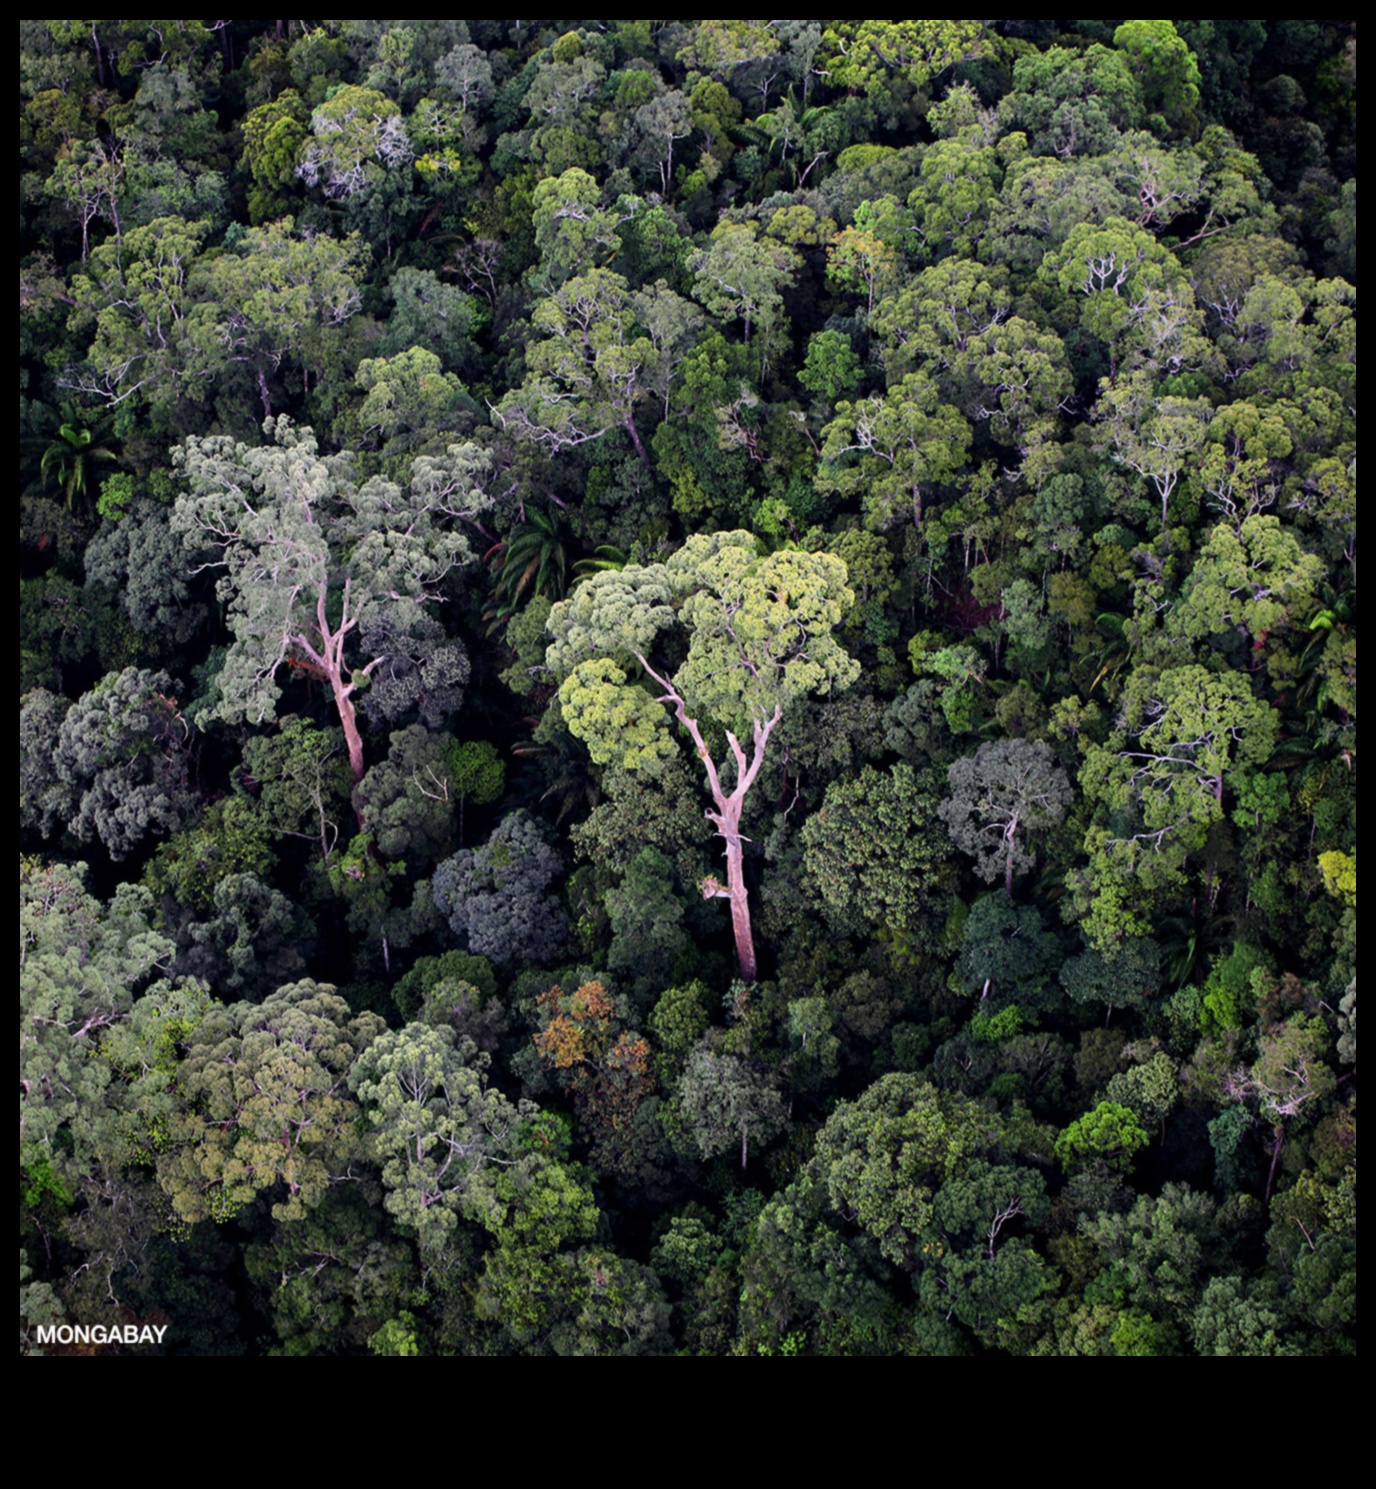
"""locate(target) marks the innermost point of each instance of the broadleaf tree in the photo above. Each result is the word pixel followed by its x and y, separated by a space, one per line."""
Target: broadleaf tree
pixel 759 634
pixel 1007 787
pixel 314 563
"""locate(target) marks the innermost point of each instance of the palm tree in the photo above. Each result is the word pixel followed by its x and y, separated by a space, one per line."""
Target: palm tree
pixel 796 127
pixel 531 561
pixel 72 452
pixel 606 558
pixel 1111 657
pixel 570 785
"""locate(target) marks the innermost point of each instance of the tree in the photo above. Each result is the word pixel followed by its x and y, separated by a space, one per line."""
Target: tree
pixel 1166 68
pixel 870 850
pixel 644 809
pixel 87 180
pixel 742 276
pixel 405 802
pixel 1158 437
pixel 601 355
pixel 327 1279
pixel 573 233
pixel 950 204
pixel 464 73
pixel 1160 780
pixel 1072 103
pixel 582 1302
pixel 359 137
pixel 831 368
pixel 438 1126
pixel 495 897
pixel 759 634
pixel 274 133
pixel 119 767
pixel 1110 1134
pixel 990 1281
pixel 1150 1089
pixel 80 966
pixel 531 561
pixel 315 564
pixel 862 263
pixel 886 449
pixel 998 1297
pixel 73 455
pixel 862 56
pixel 1006 950
pixel 602 1064
pixel 1237 1317
pixel 429 313
pixel 138 291
pixel 1005 787
pixel 934 319
pixel 476 772
pixel 1129 978
pixel 646 916
pixel 659 124
pixel 1153 1255
pixel 251 940
pixel 299 792
pixel 724 1099
pixel 884 1155
pixel 263 1101
pixel 1044 200
pixel 1137 299
pixel 409 402
pixel 141 559
pixel 1290 1071
pixel 281 299
pixel 1255 578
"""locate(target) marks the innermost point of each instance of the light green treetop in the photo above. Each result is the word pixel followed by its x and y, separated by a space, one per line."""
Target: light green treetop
pixel 759 634
pixel 265 1103
pixel 438 1126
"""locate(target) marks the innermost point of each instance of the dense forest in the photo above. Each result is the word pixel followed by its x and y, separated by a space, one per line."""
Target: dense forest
pixel 688 687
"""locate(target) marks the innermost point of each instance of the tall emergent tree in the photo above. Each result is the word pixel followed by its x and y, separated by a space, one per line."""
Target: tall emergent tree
pixel 323 574
pixel 758 633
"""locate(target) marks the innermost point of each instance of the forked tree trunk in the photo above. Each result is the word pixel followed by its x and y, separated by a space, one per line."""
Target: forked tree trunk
pixel 726 817
pixel 328 662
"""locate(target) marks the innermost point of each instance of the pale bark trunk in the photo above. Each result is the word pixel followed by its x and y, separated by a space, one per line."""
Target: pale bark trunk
pixel 727 816
pixel 333 643
pixel 328 662
pixel 740 907
pixel 348 717
pixel 629 427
